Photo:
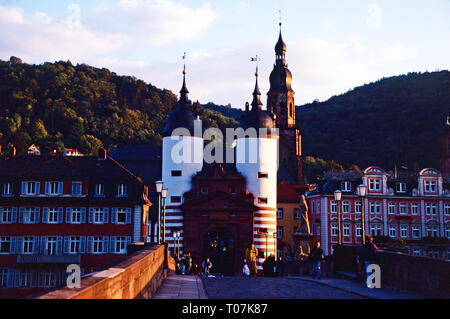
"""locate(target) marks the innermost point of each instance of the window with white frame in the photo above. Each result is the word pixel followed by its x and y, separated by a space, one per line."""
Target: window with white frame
pixel 52 217
pixel 75 216
pixel 77 188
pixel 98 215
pixel 30 188
pixel 447 231
pixel 404 231
pixel 430 186
pixel 417 252
pixel 358 230
pixel 375 185
pixel 431 209
pixel 280 232
pixel 375 229
pixel 280 213
pixel 346 186
pixel 415 209
pixel 51 246
pixel 97 247
pixel 49 279
pixel 122 190
pixel 392 208
pixel 416 231
pixel 5 245
pixel 403 208
pixel 334 229
pixel 29 216
pixel 4 277
pixel 447 209
pixel 358 207
pixel 121 216
pixel 26 278
pixel 334 206
pixel 346 207
pixel 375 208
pixel 28 247
pixel 432 231
pixel 7 189
pixel 74 245
pixel 401 187
pixel 99 190
pixel 393 231
pixel 6 215
pixel 121 245
pixel 53 188
pixel 346 230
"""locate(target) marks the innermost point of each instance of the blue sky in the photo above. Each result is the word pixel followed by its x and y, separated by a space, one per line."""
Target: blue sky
pixel 333 46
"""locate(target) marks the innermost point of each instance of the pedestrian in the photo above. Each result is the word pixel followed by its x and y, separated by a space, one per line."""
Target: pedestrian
pixel 251 255
pixel 368 254
pixel 246 269
pixel 316 257
pixel 207 265
pixel 182 264
pixel 280 267
pixel 188 263
pixel 269 266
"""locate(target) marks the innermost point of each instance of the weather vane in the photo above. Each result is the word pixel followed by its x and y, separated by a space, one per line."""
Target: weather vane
pixel 184 59
pixel 281 19
pixel 256 59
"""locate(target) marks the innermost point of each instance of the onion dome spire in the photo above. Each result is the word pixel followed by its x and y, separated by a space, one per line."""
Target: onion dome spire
pixel 280 49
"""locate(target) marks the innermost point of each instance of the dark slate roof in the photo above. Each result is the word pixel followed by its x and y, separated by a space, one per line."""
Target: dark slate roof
pixel 284 176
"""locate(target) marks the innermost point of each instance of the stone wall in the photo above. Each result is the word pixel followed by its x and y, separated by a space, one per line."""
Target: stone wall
pixel 136 277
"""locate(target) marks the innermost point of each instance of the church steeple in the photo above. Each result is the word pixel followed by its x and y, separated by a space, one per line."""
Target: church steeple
pixel 280 49
pixel 256 93
pixel 184 93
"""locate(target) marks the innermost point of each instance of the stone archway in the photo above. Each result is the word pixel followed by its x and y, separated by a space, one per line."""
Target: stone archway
pixel 219 246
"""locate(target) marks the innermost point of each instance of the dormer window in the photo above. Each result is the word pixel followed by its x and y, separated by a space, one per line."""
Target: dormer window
pixel 430 186
pixel 346 186
pixel 53 188
pixel 122 190
pixel 7 189
pixel 76 188
pixel 99 190
pixel 401 187
pixel 30 188
pixel 375 185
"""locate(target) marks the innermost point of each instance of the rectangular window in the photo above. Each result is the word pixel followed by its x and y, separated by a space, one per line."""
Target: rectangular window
pixel 30 188
pixel 6 215
pixel 77 188
pixel 416 231
pixel 404 231
pixel 121 216
pixel 401 187
pixel 100 190
pixel 177 173
pixel 334 230
pixel 393 231
pixel 75 217
pixel 51 246
pixel 29 216
pixel 262 200
pixel 121 245
pixel 346 230
pixel 447 209
pixel 417 252
pixel 375 208
pixel 280 232
pixel 403 208
pixel 5 245
pixel 26 278
pixel 392 208
pixel 346 186
pixel 432 231
pixel 333 206
pixel 296 214
pixel 263 175
pixel 233 190
pixel 430 186
pixel 431 209
pixel 53 188
pixel 52 216
pixel 414 209
pixel 4 278
pixel 98 216
pixel 74 247
pixel 97 245
pixel 122 190
pixel 49 279
pixel 375 185
pixel 375 230
pixel 313 207
pixel 280 213
pixel 175 199
pixel 7 189
pixel 346 207
pixel 358 230
pixel 205 190
pixel 358 207
pixel 447 232
pixel 28 245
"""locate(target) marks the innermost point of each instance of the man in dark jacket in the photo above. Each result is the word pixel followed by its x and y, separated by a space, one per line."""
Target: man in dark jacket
pixel 368 254
pixel 316 257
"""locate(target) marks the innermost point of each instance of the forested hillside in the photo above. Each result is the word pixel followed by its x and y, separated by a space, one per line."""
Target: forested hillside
pixel 83 107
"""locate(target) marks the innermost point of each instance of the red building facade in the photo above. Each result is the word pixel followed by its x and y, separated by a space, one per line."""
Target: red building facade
pixel 415 209
pixel 57 211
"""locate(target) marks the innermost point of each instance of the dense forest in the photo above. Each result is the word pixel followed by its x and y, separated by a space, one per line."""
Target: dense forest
pixel 65 106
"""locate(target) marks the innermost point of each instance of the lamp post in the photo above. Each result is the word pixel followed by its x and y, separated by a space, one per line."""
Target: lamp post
pixel 159 186
pixel 275 246
pixel 175 234
pixel 179 238
pixel 164 194
pixel 338 197
pixel 267 245
pixel 362 189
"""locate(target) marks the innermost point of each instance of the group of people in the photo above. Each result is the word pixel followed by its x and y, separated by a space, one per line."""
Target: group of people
pixel 185 266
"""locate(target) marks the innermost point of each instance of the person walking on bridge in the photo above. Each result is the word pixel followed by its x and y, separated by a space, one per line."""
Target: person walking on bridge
pixel 316 257
pixel 251 255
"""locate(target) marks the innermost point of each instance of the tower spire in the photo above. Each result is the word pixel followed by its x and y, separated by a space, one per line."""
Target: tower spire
pixel 184 91
pixel 256 93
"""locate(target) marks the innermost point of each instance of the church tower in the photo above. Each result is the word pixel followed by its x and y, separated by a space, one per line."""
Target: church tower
pixel 281 102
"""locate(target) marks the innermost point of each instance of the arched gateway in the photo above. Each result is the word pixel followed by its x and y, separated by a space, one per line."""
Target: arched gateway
pixel 219 247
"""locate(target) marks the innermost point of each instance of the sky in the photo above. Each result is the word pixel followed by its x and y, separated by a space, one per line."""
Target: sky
pixel 332 46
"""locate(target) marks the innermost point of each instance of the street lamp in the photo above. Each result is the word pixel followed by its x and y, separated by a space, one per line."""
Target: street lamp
pixel 175 235
pixel 338 197
pixel 362 190
pixel 274 244
pixel 267 246
pixel 179 238
pixel 164 194
pixel 159 186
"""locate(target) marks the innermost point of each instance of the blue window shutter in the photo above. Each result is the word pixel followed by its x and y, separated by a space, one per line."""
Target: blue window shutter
pixel 113 215
pixel 59 246
pixel 12 246
pixel 66 245
pixel 11 278
pixel 42 245
pixel 128 242
pixel 68 215
pixel 36 245
pixel 38 188
pixel 105 215
pixel 60 188
pixel 82 245
pixel 105 244
pixel 21 213
pixel 37 214
pixel 60 215
pixel 91 215
pixel 14 215
pixel 45 215
pixel 47 188
pixel 128 215
pixel 112 248
pixel 24 188
pixel 83 215
pixel 89 243
pixel 17 280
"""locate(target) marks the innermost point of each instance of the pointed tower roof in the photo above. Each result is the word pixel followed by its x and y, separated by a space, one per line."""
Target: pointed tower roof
pixel 280 47
pixel 281 77
pixel 256 94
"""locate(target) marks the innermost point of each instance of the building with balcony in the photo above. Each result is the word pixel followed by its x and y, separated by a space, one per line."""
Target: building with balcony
pixel 411 211
pixel 57 210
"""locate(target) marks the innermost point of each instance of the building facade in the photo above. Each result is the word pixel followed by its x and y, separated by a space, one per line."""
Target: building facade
pixel 411 211
pixel 56 211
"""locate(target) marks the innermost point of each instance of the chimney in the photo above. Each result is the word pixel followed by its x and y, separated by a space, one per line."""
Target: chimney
pixel 102 154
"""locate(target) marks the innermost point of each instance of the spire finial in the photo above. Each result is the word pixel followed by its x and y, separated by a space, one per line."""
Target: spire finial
pixel 256 94
pixel 281 19
pixel 184 91
pixel 256 59
pixel 184 67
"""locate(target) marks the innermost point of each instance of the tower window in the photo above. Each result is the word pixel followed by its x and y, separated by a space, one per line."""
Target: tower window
pixel 177 173
pixel 175 199
pixel 262 200
pixel 263 175
pixel 291 110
